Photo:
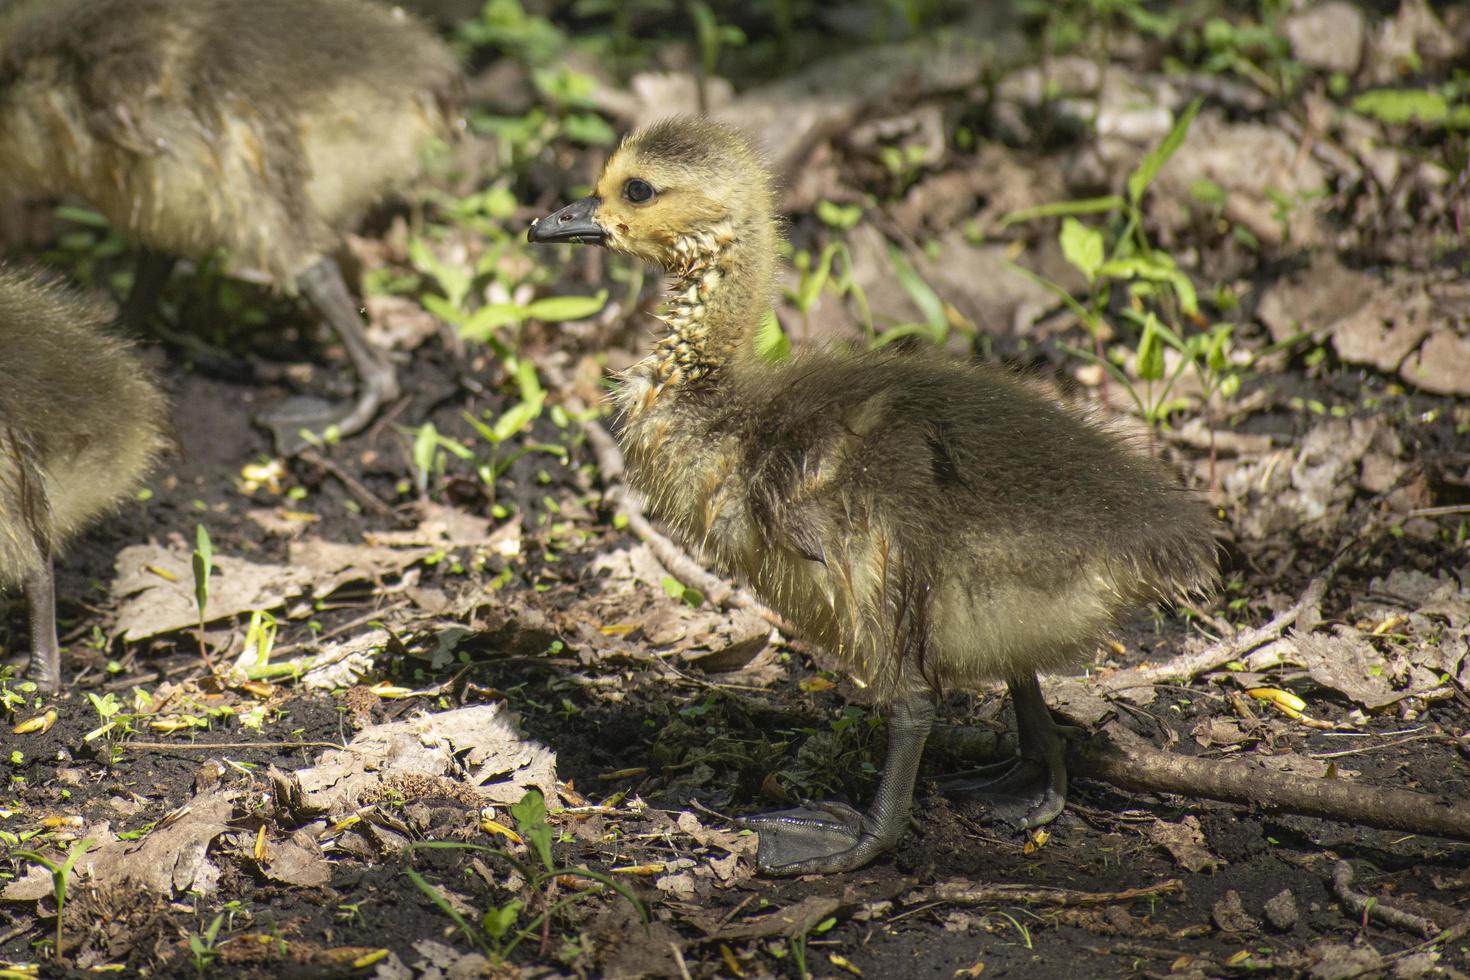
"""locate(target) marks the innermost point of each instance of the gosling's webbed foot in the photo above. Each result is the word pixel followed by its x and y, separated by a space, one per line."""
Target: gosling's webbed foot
pixel 322 284
pixel 1031 789
pixel 294 422
pixel 1021 791
pixel 820 838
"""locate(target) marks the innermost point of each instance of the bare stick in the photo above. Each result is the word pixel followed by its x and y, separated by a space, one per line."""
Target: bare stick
pixel 170 746
pixel 354 487
pixel 1186 667
pixel 1371 908
pixel 1154 771
pixel 673 558
pixel 968 893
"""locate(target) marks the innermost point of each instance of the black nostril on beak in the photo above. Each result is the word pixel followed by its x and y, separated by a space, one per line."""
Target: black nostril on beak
pixel 577 222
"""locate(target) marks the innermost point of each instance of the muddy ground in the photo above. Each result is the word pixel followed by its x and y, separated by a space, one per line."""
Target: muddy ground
pixel 482 634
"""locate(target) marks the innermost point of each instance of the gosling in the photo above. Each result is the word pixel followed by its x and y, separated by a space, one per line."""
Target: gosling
pixel 260 128
pixel 81 422
pixel 936 524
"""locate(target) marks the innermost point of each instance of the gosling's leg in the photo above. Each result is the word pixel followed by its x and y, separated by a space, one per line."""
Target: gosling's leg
pixel 322 285
pixel 827 837
pixel 1031 789
pixel 45 665
pixel 150 275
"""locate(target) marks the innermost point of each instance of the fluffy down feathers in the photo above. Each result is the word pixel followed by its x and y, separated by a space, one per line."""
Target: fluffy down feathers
pixel 259 127
pixel 80 420
pixel 937 524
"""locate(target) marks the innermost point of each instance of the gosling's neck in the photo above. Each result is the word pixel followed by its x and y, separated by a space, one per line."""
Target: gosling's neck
pixel 721 282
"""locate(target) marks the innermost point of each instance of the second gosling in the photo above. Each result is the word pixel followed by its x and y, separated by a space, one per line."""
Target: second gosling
pixel 259 128
pixel 936 524
pixel 81 422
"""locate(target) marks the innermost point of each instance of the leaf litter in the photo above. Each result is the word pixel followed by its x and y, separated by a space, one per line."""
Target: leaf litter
pixel 664 711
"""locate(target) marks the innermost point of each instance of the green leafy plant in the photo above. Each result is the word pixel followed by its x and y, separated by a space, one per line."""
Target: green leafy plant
pixel 939 318
pixel 712 37
pixel 1159 296
pixel 202 946
pixel 496 933
pixel 1425 108
pixel 510 423
pixel 1254 49
pixel 60 872
pixel 824 273
pixel 203 566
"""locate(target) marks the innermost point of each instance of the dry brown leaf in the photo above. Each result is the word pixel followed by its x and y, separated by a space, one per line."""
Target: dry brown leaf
pixel 1185 842
pixel 479 745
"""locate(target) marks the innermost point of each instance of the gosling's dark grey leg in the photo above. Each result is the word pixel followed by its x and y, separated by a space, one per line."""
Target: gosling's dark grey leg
pixel 150 274
pixel 45 666
pixel 322 285
pixel 826 837
pixel 1031 789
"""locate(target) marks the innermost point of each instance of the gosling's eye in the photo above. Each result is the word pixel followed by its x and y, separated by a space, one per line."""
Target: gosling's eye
pixel 638 191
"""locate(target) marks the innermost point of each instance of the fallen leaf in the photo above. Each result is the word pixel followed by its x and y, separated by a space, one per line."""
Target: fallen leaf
pixel 1185 842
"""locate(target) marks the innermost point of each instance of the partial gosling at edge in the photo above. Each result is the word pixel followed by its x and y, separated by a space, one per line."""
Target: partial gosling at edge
pixel 81 423
pixel 934 523
pixel 260 128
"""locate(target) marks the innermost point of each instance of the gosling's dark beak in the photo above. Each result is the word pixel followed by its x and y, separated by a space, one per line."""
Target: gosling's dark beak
pixel 577 222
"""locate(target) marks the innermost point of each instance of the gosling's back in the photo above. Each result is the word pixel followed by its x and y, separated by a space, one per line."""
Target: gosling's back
pixel 80 420
pixel 909 502
pixel 261 127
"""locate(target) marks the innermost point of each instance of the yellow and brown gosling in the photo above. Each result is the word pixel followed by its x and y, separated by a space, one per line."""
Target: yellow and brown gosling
pixel 80 424
pixel 260 128
pixel 936 524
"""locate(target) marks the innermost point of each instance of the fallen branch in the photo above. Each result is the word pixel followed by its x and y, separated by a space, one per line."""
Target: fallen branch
pixel 675 560
pixel 1304 614
pixel 1154 771
pixel 1186 667
pixel 968 893
pixel 1365 907
pixel 351 484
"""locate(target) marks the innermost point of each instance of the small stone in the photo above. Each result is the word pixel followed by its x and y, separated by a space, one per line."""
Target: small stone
pixel 1328 36
pixel 1281 911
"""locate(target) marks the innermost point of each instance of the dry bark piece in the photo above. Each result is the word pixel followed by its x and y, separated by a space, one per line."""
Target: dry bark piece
pixel 479 744
pixel 171 859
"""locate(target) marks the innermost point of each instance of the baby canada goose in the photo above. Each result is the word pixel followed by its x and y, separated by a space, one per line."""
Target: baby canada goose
pixel 936 524
pixel 262 128
pixel 80 424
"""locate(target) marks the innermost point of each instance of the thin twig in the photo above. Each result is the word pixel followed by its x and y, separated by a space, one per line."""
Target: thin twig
pixel 968 893
pixel 1366 907
pixel 353 486
pixel 1186 667
pixel 230 745
pixel 1360 750
pixel 679 961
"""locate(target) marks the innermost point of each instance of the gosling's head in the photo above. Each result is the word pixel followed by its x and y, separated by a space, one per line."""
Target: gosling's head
pixel 683 180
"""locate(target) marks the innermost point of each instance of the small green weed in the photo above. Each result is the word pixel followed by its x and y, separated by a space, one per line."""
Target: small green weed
pixel 496 933
pixel 60 871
